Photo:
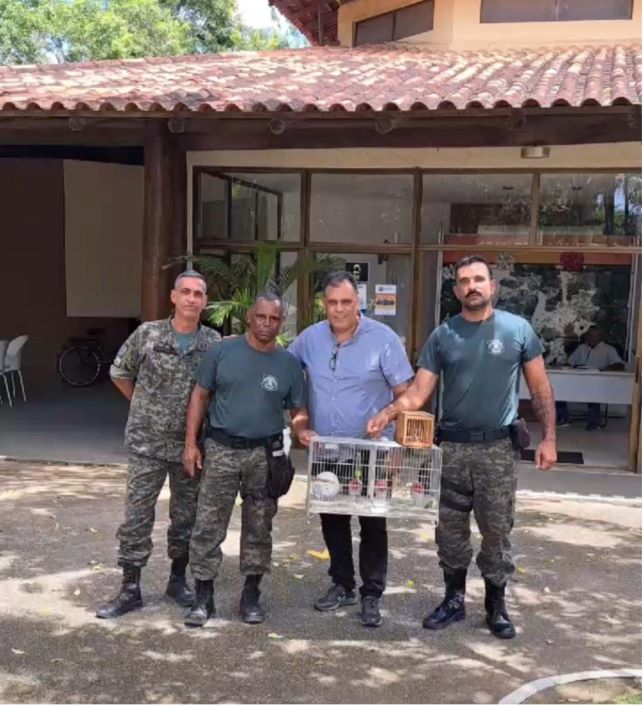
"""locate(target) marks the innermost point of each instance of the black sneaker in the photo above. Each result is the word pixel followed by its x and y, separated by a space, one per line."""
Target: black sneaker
pixel 337 596
pixel 370 615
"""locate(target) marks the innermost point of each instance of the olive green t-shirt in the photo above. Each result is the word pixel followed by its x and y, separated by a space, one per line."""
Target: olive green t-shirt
pixel 184 340
pixel 251 388
pixel 480 364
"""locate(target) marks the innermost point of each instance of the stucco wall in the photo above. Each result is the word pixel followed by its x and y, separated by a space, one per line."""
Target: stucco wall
pixel 456 25
pixel 103 238
pixel 32 269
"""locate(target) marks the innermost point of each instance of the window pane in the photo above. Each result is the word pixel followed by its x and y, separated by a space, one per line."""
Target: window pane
pixel 594 10
pixel 518 10
pixel 476 208
pixel 590 209
pixel 414 19
pixel 560 304
pixel 285 260
pixel 375 30
pixel 246 206
pixel 389 305
pixel 244 217
pixel 367 208
pixel 212 209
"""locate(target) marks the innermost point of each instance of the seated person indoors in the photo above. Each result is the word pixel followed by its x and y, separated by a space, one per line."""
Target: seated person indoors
pixel 594 354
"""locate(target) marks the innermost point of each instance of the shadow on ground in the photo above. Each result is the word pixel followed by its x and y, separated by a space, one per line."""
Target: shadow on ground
pixel 575 597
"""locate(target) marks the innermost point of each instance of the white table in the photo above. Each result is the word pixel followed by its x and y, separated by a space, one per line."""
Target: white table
pixel 588 386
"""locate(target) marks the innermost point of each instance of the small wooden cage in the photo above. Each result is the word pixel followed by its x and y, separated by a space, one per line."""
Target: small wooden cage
pixel 414 429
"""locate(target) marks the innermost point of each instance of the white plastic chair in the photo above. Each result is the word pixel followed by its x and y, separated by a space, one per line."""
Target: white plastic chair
pixel 13 365
pixel 4 344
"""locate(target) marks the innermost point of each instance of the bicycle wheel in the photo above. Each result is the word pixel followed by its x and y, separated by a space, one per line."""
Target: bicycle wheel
pixel 79 367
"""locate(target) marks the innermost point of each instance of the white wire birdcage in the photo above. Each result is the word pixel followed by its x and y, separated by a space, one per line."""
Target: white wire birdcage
pixel 373 478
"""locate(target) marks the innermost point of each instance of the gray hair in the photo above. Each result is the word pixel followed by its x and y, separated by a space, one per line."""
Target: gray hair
pixel 193 274
pixel 268 296
pixel 337 278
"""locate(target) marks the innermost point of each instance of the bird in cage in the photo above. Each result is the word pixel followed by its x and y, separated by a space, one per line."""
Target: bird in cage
pixel 325 486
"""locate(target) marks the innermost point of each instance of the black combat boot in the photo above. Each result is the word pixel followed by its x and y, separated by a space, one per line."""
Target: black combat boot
pixel 129 597
pixel 177 587
pixel 451 609
pixel 497 618
pixel 251 610
pixel 203 607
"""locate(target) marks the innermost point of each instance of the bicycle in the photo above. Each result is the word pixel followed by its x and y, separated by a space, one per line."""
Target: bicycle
pixel 81 362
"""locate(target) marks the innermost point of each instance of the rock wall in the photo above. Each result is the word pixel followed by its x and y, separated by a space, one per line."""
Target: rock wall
pixel 560 305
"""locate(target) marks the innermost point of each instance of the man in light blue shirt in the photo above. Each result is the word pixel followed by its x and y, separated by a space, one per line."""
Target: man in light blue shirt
pixel 354 366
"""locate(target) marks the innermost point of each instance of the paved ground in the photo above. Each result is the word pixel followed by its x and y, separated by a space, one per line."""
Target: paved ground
pixel 64 424
pixel 86 426
pixel 576 601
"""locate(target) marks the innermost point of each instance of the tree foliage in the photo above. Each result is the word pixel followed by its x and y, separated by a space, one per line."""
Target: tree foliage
pixel 56 31
pixel 233 286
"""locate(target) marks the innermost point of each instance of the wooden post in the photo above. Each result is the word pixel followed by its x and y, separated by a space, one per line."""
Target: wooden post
pixel 415 289
pixel 634 445
pixel 178 199
pixel 157 221
pixel 304 286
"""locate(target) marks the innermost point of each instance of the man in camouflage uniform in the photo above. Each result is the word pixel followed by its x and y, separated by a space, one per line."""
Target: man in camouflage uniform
pixel 154 370
pixel 480 355
pixel 248 381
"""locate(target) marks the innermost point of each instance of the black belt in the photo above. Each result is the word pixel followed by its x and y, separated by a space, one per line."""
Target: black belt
pixel 238 442
pixel 474 435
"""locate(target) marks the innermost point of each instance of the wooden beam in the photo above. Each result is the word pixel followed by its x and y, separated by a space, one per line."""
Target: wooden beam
pixel 444 128
pixel 96 131
pixel 439 131
pixel 113 155
pixel 157 222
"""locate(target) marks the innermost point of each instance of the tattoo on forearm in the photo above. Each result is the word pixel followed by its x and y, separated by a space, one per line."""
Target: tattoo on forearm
pixel 542 401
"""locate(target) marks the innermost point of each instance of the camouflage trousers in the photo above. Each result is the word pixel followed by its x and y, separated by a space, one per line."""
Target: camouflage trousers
pixel 479 477
pixel 145 478
pixel 226 472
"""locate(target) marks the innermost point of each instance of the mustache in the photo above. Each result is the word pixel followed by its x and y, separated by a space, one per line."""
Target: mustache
pixel 473 293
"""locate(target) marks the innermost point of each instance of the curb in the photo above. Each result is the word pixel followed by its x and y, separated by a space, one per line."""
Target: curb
pixel 64 463
pixel 529 689
pixel 574 496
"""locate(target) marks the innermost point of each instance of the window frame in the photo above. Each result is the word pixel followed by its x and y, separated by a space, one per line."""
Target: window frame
pixel 556 7
pixel 414 249
pixel 394 14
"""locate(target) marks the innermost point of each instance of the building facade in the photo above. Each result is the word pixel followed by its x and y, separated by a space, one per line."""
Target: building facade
pixel 413 134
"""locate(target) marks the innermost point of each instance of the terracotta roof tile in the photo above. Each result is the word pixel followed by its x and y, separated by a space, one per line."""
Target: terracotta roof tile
pixel 333 78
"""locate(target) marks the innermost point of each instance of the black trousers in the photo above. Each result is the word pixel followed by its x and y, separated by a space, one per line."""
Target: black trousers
pixel 373 552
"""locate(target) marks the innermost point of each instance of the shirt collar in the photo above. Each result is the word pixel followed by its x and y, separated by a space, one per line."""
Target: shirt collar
pixel 361 326
pixel 172 333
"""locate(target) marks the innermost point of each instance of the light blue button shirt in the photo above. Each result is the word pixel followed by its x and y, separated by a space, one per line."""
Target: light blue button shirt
pixel 366 368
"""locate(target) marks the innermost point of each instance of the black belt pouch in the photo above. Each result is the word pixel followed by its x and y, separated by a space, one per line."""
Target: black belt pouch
pixel 280 470
pixel 519 434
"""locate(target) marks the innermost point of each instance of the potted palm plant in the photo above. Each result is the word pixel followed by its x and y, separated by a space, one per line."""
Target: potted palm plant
pixel 233 285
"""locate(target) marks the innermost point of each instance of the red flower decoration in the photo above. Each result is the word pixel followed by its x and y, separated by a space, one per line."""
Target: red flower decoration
pixel 572 261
